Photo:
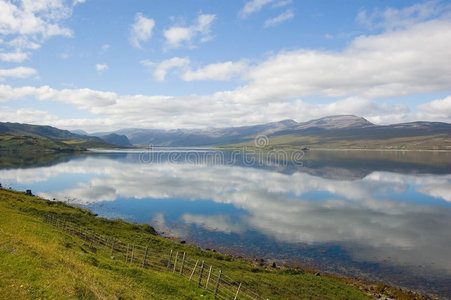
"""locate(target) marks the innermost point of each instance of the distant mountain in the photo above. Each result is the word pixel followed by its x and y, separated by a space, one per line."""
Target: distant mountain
pixel 336 122
pixel 342 131
pixel 200 137
pixel 116 139
pixel 358 133
pixel 79 131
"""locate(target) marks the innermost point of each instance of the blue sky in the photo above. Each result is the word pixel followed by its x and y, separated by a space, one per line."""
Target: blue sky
pixel 104 65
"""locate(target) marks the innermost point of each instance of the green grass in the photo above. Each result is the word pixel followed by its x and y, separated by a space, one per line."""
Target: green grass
pixel 35 144
pixel 17 143
pixel 39 261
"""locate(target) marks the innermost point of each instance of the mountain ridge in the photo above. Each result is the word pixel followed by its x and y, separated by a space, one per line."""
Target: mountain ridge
pixel 331 132
pixel 324 131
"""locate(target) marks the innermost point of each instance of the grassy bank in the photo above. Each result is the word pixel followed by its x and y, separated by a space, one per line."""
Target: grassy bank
pixel 39 261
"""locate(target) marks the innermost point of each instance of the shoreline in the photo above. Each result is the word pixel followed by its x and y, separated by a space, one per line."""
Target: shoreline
pixel 371 287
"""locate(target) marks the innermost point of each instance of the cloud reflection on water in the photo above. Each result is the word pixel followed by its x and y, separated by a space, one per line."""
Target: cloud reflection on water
pixel 363 216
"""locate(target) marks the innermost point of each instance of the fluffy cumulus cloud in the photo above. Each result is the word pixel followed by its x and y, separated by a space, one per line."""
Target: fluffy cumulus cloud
pixel 141 30
pixel 385 65
pixel 17 57
pixel 437 109
pixel 162 69
pixel 19 72
pixel 26 115
pixel 26 24
pixel 177 36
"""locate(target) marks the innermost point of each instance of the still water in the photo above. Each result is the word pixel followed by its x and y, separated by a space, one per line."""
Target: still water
pixel 380 215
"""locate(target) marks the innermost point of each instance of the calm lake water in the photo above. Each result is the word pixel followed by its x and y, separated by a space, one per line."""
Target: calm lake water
pixel 379 215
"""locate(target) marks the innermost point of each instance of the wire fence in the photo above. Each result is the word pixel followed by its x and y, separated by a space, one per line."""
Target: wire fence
pixel 205 276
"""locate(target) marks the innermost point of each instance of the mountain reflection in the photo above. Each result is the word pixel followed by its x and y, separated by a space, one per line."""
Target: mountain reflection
pixel 406 217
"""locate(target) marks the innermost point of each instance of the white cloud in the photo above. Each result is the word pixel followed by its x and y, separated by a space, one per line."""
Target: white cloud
pixel 141 30
pixel 437 109
pixel 162 69
pixel 219 223
pixel 204 22
pixel 113 111
pixel 392 64
pixel 19 72
pixel 287 15
pixel 393 18
pixel 176 36
pixel 17 57
pixel 218 71
pixel 254 6
pixel 22 42
pixel 27 24
pixel 27 115
pixel 105 47
pixel 101 67
pixel 398 63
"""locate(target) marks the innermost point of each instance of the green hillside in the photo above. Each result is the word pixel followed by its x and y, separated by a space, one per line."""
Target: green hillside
pixel 16 137
pixel 18 143
pixel 37 131
pixel 40 261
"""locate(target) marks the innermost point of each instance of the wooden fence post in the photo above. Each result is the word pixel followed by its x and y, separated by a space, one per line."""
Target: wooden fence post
pixel 237 291
pixel 145 257
pixel 201 273
pixel 169 261
pixel 217 283
pixel 91 238
pixel 126 254
pixel 192 273
pixel 175 261
pixel 112 248
pixel 208 278
pixel 133 254
pixel 183 264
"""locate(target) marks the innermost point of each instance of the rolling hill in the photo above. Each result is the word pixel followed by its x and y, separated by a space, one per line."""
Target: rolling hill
pixel 17 137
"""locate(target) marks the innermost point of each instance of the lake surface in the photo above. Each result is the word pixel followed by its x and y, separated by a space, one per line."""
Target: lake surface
pixel 375 214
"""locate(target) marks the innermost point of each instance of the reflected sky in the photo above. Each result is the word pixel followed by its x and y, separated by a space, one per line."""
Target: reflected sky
pixel 367 218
